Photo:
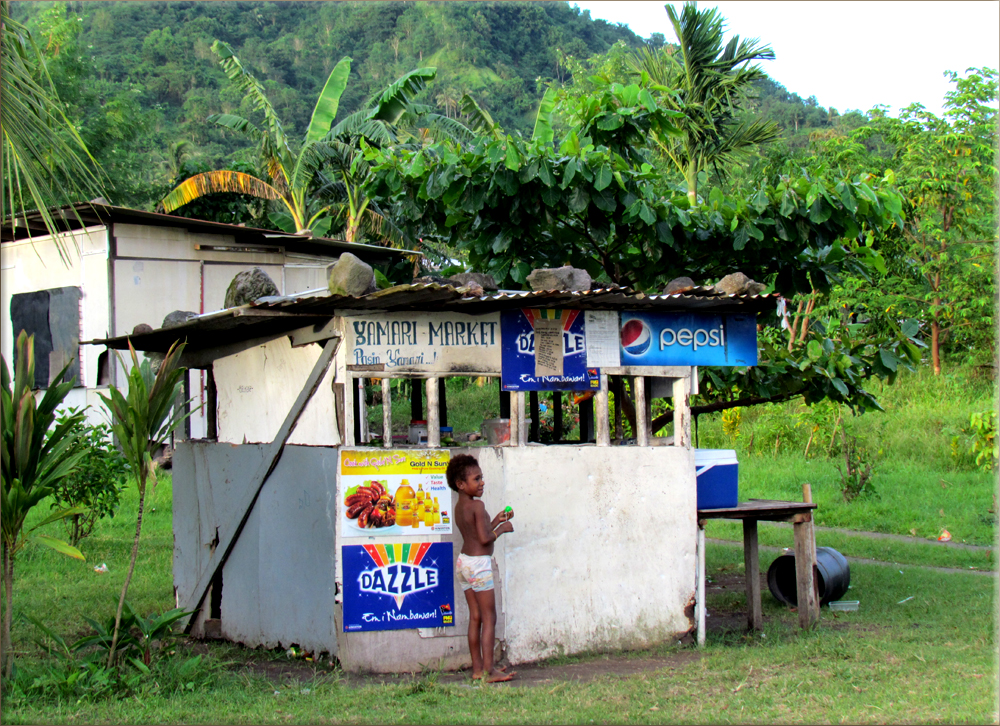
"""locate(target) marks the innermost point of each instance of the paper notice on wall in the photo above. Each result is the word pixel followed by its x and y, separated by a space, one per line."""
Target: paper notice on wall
pixel 548 347
pixel 602 339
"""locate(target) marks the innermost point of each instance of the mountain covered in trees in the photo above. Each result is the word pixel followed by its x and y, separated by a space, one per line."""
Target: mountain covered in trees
pixel 140 78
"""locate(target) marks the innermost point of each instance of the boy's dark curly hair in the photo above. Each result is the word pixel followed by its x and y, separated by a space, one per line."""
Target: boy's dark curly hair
pixel 457 468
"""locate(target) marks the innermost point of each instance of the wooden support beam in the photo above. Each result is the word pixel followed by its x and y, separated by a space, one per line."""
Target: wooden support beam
pixel 245 501
pixel 358 409
pixel 433 414
pixel 751 566
pixel 602 414
pixel 387 413
pixel 700 579
pixel 522 421
pixel 807 594
pixel 682 412
pixel 641 411
pixel 348 432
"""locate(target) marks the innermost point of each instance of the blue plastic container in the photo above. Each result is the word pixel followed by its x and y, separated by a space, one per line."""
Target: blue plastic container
pixel 717 471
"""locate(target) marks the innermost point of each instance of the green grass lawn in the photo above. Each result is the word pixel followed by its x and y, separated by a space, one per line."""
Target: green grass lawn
pixel 922 647
pixel 929 659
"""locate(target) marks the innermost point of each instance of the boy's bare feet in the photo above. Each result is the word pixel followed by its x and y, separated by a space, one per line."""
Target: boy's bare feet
pixel 478 676
pixel 499 676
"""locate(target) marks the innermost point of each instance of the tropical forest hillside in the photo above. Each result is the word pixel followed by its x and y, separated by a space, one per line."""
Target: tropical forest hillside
pixel 141 79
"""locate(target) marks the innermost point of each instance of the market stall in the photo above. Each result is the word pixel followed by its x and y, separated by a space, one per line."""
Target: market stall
pixel 296 524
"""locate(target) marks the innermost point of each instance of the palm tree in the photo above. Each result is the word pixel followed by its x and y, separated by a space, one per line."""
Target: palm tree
pixel 44 160
pixel 708 84
pixel 294 178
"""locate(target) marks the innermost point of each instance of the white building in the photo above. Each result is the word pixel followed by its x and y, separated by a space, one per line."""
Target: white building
pixel 128 267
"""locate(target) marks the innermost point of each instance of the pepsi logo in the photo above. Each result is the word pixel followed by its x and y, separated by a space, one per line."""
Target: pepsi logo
pixel 635 337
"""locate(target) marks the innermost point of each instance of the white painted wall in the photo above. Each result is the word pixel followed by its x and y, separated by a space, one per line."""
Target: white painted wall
pixel 158 270
pixel 30 266
pixel 256 389
pixel 603 549
pixel 602 556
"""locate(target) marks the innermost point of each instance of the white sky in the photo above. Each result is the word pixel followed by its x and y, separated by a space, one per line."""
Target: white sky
pixel 849 54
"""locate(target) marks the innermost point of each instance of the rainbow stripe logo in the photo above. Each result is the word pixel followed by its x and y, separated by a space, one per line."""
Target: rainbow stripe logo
pixel 567 316
pixel 397 572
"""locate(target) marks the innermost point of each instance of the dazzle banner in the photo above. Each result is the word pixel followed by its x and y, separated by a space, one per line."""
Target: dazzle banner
pixel 688 339
pixel 397 586
pixel 533 358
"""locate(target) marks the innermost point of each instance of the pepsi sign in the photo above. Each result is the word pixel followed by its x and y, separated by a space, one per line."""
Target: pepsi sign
pixel 688 339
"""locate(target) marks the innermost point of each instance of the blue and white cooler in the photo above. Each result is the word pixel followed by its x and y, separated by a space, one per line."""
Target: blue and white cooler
pixel 717 472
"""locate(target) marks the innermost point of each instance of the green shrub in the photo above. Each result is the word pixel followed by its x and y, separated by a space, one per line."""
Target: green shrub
pixel 78 671
pixel 983 430
pixel 856 478
pixel 95 484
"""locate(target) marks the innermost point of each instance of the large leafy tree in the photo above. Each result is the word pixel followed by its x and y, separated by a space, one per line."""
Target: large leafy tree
pixel 706 82
pixel 294 172
pixel 513 204
pixel 946 169
pixel 37 454
pixel 43 160
pixel 940 264
pixel 595 201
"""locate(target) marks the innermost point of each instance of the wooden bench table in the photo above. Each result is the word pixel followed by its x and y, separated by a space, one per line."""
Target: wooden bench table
pixel 800 515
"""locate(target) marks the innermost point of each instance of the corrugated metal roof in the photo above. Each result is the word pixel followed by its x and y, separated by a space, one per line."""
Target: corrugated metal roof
pixel 277 315
pixel 92 214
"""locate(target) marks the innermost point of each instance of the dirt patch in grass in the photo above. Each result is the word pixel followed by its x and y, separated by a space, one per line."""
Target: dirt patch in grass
pixel 584 671
pixel 281 671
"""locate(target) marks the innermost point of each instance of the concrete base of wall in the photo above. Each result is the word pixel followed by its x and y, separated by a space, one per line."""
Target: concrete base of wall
pixel 602 556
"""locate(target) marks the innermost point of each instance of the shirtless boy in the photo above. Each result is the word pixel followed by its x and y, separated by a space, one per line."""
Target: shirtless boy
pixel 474 569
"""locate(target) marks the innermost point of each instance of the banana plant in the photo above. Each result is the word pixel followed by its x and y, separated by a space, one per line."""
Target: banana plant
pixel 142 419
pixel 293 176
pixel 36 455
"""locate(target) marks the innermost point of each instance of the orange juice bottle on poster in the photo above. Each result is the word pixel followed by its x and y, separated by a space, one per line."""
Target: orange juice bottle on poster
pixel 404 504
pixel 420 492
pixel 437 512
pixel 428 512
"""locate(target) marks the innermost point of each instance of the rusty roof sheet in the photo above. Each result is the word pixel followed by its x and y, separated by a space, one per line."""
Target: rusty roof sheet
pixel 277 315
pixel 92 214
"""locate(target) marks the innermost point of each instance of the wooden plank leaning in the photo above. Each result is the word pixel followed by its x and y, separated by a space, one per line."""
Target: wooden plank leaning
pixel 244 506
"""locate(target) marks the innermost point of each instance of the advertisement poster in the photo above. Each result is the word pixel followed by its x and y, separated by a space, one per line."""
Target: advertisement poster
pixel 545 350
pixel 688 339
pixel 396 586
pixel 394 493
pixel 424 342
